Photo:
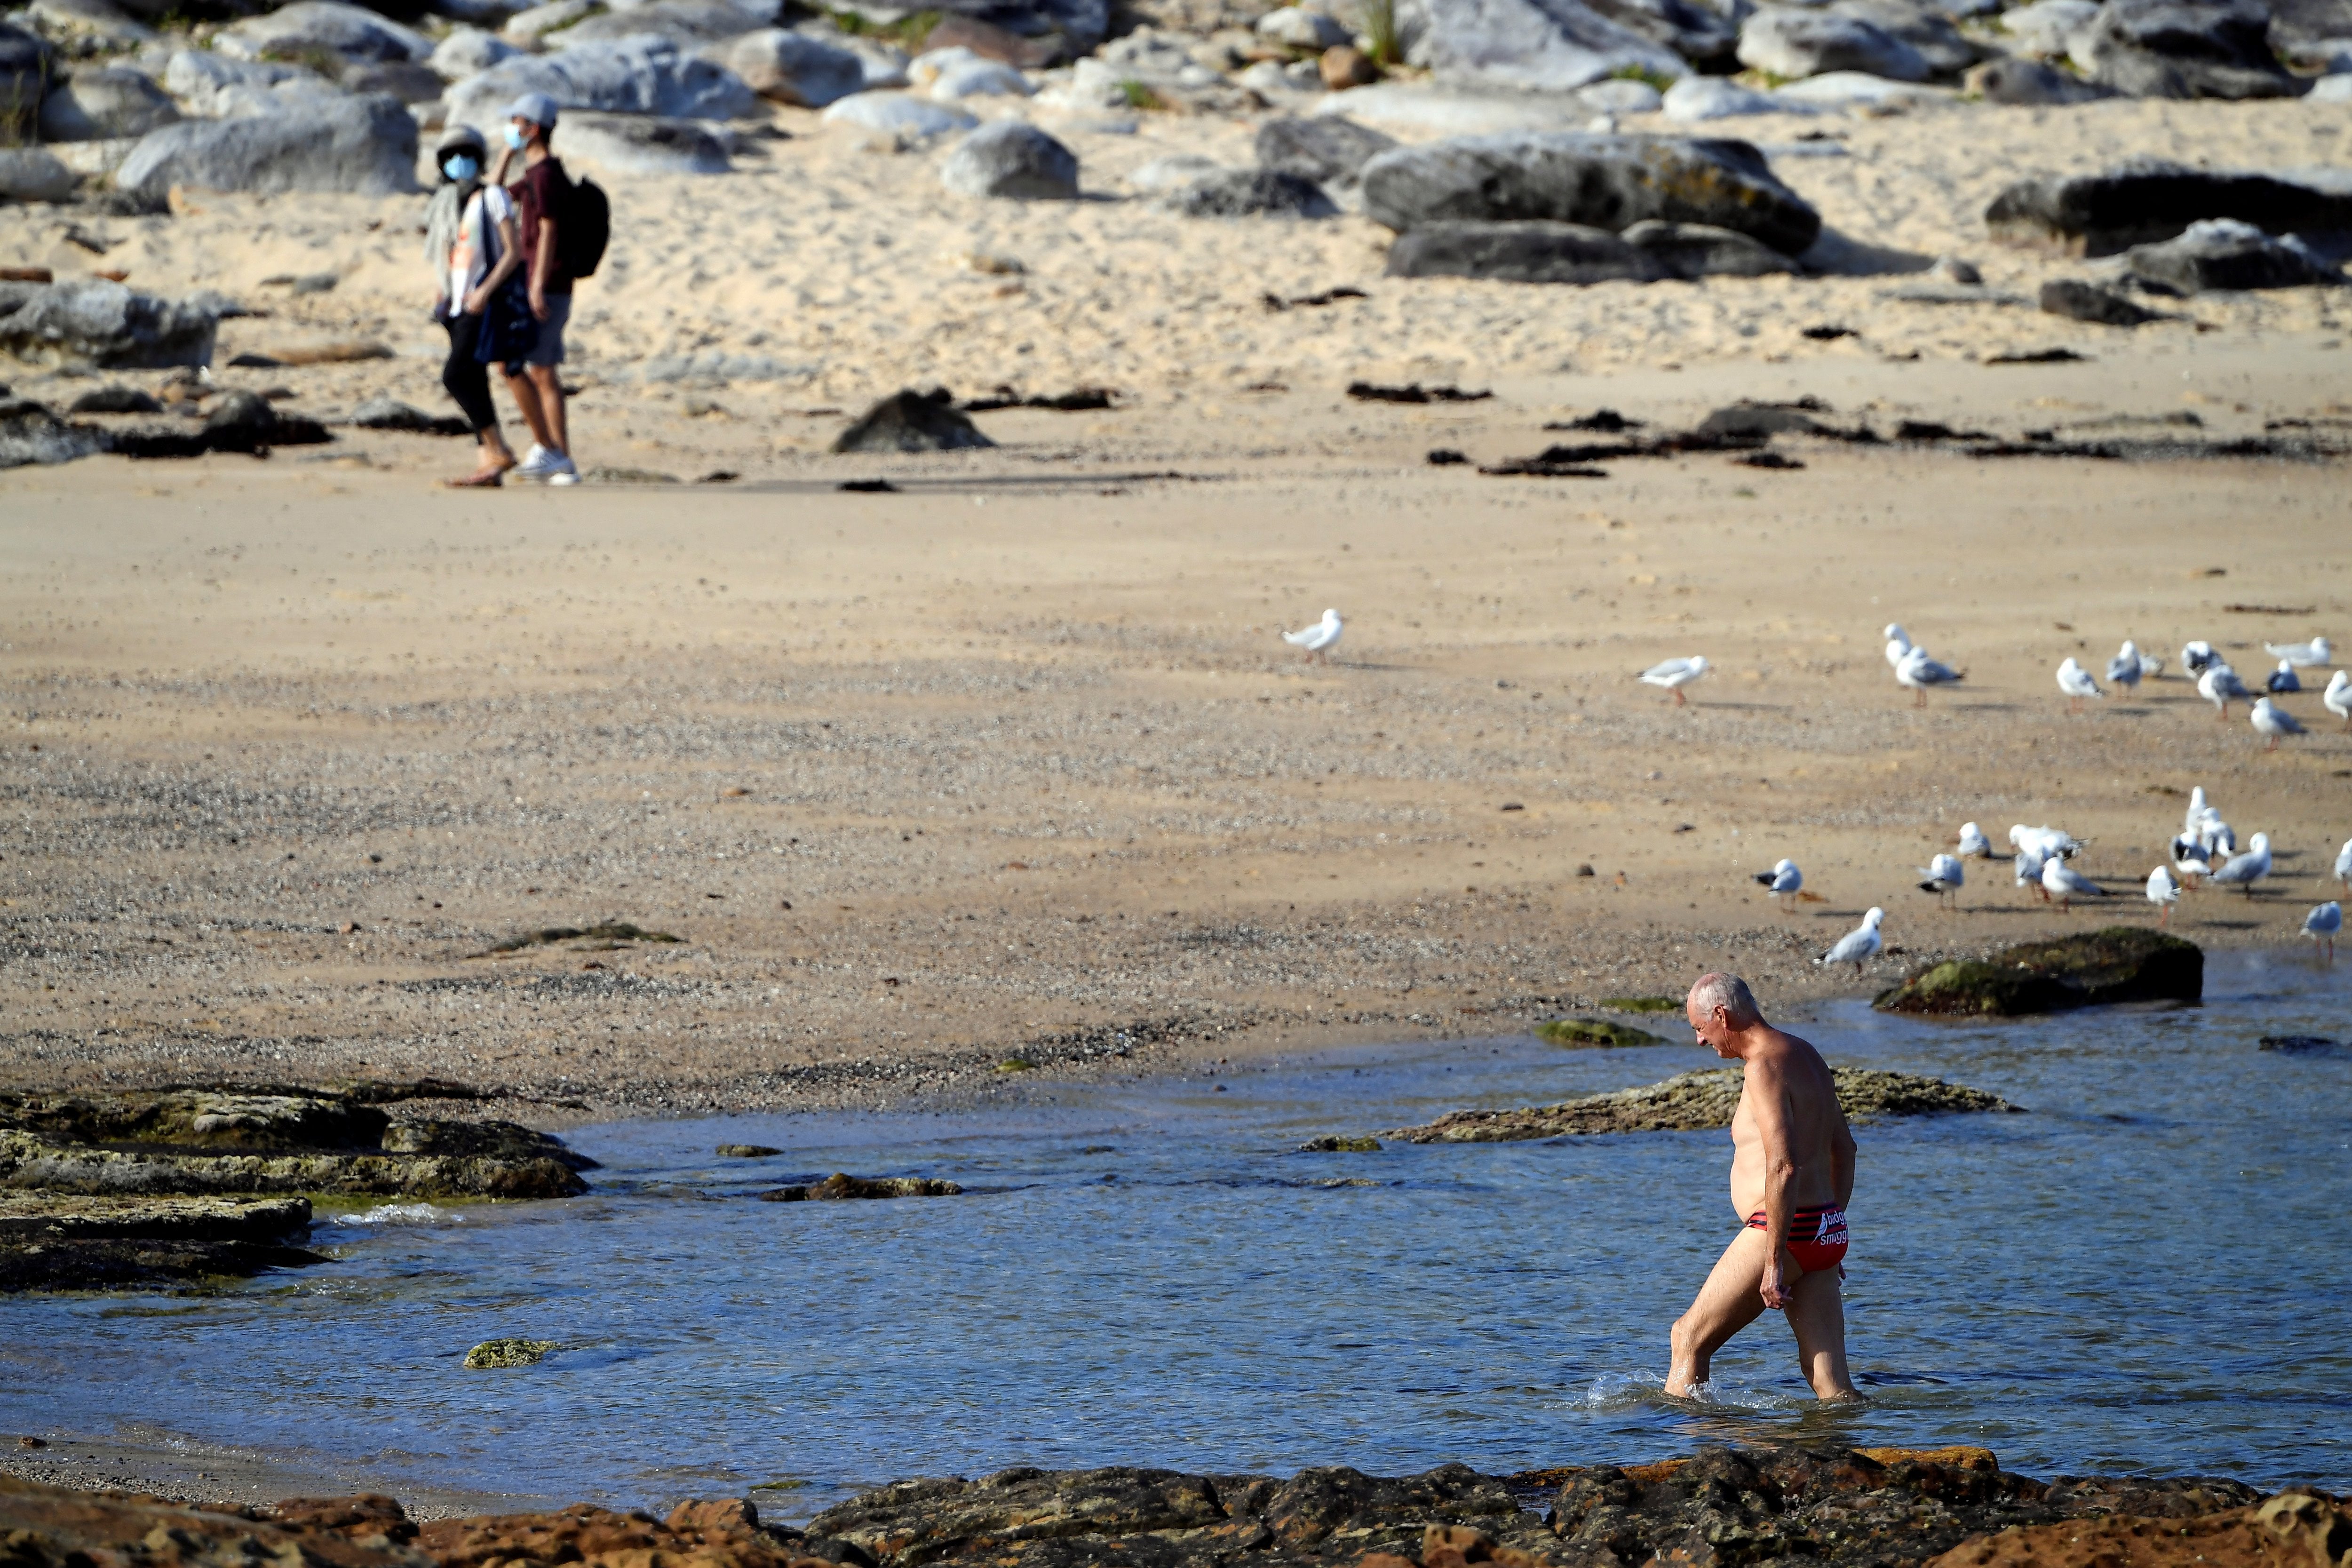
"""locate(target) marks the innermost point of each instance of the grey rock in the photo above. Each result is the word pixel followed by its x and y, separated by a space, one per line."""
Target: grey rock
pixel 243 421
pixel 1300 28
pixel 34 174
pixel 1700 34
pixel 793 67
pixel 2308 27
pixel 367 145
pixel 1546 45
pixel 99 325
pixel 407 81
pixel 1163 175
pixel 30 433
pixel 2187 48
pixel 533 24
pixel 386 412
pixel 1646 252
pixel 26 62
pixel 2049 28
pixel 2147 199
pixel 1926 31
pixel 1011 160
pixel 639 144
pixel 1078 25
pixel 643 74
pixel 912 422
pixel 351 32
pixel 1328 150
pixel 2224 253
pixel 1694 250
pixel 115 399
pixel 885 64
pixel 214 84
pixel 689 24
pixel 2030 82
pixel 899 114
pixel 85 27
pixel 1620 95
pixel 1246 193
pixel 98 103
pixel 1605 182
pixel 1696 98
pixel 467 50
pixel 1788 42
pixel 2078 301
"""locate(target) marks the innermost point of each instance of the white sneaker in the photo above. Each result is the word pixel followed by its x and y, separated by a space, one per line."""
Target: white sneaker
pixel 559 467
pixel 537 463
pixel 569 477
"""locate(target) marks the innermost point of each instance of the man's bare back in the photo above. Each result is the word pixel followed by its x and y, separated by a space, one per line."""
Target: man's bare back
pixel 1791 1177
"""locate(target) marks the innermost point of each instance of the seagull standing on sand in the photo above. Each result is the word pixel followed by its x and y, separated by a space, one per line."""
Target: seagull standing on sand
pixel 1860 945
pixel 2045 842
pixel 2076 683
pixel 2337 697
pixel 2028 867
pixel 2197 809
pixel 2163 892
pixel 2304 654
pixel 1319 639
pixel 2245 871
pixel 2065 884
pixel 2270 719
pixel 1674 673
pixel 2191 858
pixel 2283 680
pixel 2344 864
pixel 2219 686
pixel 1782 880
pixel 1944 878
pixel 2197 657
pixel 1898 643
pixel 1919 672
pixel 2322 924
pixel 1974 845
pixel 2125 670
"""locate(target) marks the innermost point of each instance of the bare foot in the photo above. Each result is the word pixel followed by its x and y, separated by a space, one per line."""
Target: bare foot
pixel 479 479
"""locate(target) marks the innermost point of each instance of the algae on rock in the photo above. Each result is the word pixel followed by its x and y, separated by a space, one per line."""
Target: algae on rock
pixel 493 1354
pixel 2121 963
pixel 1694 1103
pixel 1594 1032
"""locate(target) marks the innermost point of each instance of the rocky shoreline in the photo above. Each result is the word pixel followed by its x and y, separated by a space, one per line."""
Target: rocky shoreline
pixel 1693 1102
pixel 1790 1504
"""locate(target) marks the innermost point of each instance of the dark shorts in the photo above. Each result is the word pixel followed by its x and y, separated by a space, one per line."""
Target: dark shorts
pixel 549 348
pixel 1816 1236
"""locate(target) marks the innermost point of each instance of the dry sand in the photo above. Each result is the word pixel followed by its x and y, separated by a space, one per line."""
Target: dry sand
pixel 1019 746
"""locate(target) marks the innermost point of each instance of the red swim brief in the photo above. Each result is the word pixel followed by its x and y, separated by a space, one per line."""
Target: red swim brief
pixel 1816 1236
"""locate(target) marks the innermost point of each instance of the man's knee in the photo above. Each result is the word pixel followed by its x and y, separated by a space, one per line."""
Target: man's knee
pixel 545 377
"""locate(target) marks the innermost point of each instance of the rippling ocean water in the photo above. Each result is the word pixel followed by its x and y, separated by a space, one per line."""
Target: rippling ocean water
pixel 2147 1273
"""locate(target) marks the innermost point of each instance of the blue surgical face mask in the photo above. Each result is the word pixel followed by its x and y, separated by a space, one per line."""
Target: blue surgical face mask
pixel 462 168
pixel 514 137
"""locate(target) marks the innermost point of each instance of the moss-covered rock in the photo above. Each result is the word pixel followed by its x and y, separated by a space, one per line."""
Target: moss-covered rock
pixel 2121 963
pixel 1641 1004
pixel 747 1152
pixel 493 1354
pixel 1694 1103
pixel 50 1242
pixel 842 1184
pixel 1576 1033
pixel 1336 1145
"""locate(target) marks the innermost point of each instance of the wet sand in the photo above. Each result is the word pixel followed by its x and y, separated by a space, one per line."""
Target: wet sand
pixel 1011 766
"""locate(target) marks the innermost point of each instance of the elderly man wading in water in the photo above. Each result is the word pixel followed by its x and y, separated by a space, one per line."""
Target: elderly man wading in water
pixel 1791 1173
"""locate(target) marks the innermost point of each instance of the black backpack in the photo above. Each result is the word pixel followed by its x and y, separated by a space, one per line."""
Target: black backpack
pixel 583 225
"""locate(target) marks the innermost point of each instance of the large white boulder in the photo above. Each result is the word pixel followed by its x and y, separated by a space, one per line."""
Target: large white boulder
pixel 100 104
pixel 896 114
pixel 1011 160
pixel 643 74
pixel 796 68
pixel 1546 45
pixel 353 32
pixel 467 51
pixel 362 143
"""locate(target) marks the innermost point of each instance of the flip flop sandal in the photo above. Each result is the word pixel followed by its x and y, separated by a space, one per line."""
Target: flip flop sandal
pixel 488 481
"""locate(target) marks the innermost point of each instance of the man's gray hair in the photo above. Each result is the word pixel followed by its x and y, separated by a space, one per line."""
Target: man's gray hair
pixel 1729 993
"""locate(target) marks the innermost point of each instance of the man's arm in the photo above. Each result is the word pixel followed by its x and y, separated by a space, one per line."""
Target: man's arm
pixel 542 266
pixel 1767 1092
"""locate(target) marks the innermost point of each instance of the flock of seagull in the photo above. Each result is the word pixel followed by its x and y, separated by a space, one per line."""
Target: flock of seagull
pixel 2205 850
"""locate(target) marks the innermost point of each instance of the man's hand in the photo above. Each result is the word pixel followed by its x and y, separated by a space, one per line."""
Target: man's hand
pixel 1775 1293
pixel 537 302
pixel 477 300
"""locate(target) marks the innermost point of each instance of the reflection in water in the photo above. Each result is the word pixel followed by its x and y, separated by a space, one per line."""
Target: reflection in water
pixel 2145 1273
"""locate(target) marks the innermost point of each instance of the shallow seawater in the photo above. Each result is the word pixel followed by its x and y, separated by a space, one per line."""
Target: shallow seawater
pixel 2147 1273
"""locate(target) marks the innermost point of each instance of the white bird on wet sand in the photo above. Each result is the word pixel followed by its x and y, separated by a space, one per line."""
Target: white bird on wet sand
pixel 1898 642
pixel 2322 924
pixel 2163 892
pixel 2197 657
pixel 2065 884
pixel 2190 861
pixel 2125 669
pixel 1919 672
pixel 2197 809
pixel 1674 673
pixel 2303 655
pixel 1974 845
pixel 1860 945
pixel 1782 880
pixel 2076 683
pixel 1944 877
pixel 2337 697
pixel 2344 864
pixel 2283 680
pixel 2046 842
pixel 2245 871
pixel 2028 867
pixel 1319 639
pixel 2270 719
pixel 2219 686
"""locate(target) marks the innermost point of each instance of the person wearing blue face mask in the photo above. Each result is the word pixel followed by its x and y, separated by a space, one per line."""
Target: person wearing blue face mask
pixel 534 373
pixel 471 241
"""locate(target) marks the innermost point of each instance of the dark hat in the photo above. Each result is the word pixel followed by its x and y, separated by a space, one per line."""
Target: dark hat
pixel 455 137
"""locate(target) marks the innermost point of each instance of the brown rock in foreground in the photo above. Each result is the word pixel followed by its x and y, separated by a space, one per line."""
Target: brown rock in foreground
pixel 2294 1529
pixel 1694 1103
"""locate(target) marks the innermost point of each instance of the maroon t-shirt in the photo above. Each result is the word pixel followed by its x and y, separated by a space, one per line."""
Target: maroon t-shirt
pixel 535 195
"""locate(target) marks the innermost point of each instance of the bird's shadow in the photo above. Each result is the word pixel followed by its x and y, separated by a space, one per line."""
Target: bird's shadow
pixel 1750 707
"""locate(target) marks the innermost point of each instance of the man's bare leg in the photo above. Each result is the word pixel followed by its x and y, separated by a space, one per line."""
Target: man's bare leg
pixel 549 381
pixel 526 398
pixel 1817 1312
pixel 1725 1304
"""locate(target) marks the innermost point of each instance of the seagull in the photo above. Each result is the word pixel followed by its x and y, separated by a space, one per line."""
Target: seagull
pixel 2028 867
pixel 2322 924
pixel 2125 670
pixel 2066 884
pixel 2219 685
pixel 2303 655
pixel 2197 657
pixel 1973 844
pixel 1859 945
pixel 2048 843
pixel 2245 871
pixel 2197 809
pixel 1919 672
pixel 2273 720
pixel 2337 697
pixel 1782 880
pixel 2076 683
pixel 2282 680
pixel 2344 864
pixel 1319 639
pixel 1898 642
pixel 2163 892
pixel 2151 666
pixel 1944 876
pixel 2190 859
pixel 2216 837
pixel 1674 673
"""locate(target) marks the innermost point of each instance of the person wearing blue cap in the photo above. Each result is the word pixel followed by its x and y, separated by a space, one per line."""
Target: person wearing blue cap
pixel 535 378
